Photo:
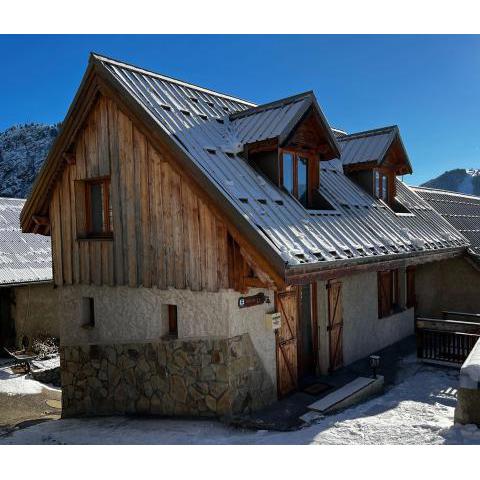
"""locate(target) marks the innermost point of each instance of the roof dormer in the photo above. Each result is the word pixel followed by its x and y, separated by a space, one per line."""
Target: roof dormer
pixel 373 159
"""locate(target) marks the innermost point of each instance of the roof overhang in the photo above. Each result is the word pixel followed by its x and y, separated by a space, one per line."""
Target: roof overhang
pixel 304 273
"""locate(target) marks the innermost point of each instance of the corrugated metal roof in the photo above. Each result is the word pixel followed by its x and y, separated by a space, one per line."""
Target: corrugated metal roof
pixel 359 225
pixel 368 146
pixel 255 125
pixel 24 257
pixel 460 210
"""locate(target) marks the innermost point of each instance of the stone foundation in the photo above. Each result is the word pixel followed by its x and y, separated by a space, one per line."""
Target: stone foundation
pixel 201 377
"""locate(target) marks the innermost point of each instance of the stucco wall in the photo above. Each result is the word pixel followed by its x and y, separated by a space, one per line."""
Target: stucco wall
pixel 448 285
pixel 126 315
pixel 35 311
pixel 363 332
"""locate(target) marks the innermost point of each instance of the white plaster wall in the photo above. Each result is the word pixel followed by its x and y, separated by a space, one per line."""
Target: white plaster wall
pixel 36 310
pixel 363 332
pixel 124 314
pixel 252 320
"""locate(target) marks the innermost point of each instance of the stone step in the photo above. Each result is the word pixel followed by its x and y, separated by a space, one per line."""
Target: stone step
pixel 351 393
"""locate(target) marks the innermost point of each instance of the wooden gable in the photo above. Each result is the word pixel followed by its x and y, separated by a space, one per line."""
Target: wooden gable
pixel 164 233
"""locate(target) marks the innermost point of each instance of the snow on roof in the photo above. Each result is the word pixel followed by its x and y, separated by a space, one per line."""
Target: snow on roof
pixel 24 257
pixel 459 209
pixel 369 146
pixel 358 225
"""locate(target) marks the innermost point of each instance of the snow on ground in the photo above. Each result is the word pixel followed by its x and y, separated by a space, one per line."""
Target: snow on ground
pixel 417 411
pixel 12 383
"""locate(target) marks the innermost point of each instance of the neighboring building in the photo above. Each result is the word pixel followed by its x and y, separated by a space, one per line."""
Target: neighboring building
pixel 452 285
pixel 28 300
pixel 181 217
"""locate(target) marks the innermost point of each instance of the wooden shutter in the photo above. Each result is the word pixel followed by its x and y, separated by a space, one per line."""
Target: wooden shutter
pixel 384 293
pixel 335 325
pixel 286 341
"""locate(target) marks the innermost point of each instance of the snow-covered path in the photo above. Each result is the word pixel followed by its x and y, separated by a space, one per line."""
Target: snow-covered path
pixel 417 411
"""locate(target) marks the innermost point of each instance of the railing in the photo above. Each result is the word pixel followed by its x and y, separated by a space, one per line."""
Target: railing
pixel 445 341
pixel 472 317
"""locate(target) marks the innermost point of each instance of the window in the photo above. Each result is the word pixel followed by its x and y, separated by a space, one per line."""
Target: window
pixel 172 321
pixel 381 185
pixel 387 293
pixel 98 208
pixel 410 287
pixel 295 176
pixel 88 312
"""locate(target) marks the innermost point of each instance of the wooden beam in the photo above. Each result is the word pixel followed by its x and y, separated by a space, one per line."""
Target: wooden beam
pixel 41 220
pixel 69 158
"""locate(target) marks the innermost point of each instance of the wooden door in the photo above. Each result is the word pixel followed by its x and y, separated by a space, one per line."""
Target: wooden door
pixel 335 325
pixel 286 339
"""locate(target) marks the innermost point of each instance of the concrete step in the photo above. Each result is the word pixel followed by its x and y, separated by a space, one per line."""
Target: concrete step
pixel 351 393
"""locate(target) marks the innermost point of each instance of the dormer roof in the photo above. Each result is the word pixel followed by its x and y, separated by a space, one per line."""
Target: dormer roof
pixel 381 146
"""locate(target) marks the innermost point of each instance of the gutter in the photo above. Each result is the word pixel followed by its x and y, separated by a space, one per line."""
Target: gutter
pixel 24 284
pixel 332 265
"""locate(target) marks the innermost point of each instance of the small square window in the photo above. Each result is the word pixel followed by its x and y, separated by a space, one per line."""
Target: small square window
pixel 88 312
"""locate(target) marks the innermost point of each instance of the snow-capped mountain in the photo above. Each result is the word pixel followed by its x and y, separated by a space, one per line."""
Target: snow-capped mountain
pixel 23 148
pixel 458 180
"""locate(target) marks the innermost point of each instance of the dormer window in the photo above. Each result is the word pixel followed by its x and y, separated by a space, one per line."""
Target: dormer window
pixel 300 176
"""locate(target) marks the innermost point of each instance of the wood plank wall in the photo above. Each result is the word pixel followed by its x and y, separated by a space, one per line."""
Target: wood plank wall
pixel 164 235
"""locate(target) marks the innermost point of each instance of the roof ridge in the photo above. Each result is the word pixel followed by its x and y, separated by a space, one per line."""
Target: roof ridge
pixel 368 133
pixel 121 63
pixel 269 105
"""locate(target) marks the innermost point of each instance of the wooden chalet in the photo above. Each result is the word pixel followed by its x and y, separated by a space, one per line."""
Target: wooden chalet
pixel 211 254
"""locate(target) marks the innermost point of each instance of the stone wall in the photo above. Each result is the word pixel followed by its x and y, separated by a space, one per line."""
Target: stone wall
pixel 206 377
pixel 35 311
pixel 137 315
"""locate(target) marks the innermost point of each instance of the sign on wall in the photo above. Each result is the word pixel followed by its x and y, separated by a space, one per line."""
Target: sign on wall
pixel 252 300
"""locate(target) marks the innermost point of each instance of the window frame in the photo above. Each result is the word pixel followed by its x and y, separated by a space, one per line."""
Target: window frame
pixel 313 174
pixel 172 320
pixel 379 176
pixel 107 227
pixel 410 298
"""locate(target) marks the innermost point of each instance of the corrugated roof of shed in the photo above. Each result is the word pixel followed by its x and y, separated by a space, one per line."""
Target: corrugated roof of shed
pixel 459 209
pixel 24 257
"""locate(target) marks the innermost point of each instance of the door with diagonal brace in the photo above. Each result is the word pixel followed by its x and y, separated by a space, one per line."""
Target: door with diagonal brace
pixel 335 324
pixel 286 340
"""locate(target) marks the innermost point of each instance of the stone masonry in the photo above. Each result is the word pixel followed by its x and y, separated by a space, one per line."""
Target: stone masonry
pixel 201 377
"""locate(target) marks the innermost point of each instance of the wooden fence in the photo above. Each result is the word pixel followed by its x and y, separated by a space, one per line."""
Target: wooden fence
pixel 445 341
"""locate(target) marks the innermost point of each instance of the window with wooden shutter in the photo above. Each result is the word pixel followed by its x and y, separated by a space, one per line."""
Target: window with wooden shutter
pixel 410 303
pixel 388 292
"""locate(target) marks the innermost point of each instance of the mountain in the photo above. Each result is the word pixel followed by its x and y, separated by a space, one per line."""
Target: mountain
pixel 23 148
pixel 458 180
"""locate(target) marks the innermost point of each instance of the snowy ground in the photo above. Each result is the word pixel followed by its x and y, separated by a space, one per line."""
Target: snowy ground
pixel 417 411
pixel 20 384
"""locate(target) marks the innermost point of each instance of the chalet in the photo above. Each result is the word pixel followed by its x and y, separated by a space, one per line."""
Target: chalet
pixel 212 254
pixel 27 298
pixel 453 284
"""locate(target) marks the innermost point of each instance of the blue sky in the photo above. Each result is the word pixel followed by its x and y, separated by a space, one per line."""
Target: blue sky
pixel 428 85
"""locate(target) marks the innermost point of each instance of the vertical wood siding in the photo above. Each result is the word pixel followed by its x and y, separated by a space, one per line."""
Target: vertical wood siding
pixel 164 235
